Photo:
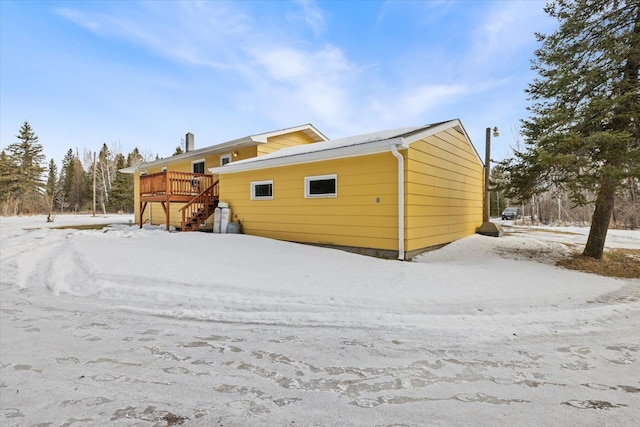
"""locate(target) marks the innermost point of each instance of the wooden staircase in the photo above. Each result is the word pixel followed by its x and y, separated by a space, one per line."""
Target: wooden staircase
pixel 201 207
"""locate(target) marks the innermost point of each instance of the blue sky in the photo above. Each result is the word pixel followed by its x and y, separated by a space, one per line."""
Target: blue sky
pixel 142 74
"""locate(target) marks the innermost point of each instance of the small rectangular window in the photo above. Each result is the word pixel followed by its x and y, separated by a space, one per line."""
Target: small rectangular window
pixel 225 158
pixel 321 186
pixel 197 166
pixel 262 190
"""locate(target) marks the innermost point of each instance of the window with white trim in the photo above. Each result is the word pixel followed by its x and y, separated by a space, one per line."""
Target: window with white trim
pixel 197 166
pixel 321 186
pixel 225 158
pixel 262 190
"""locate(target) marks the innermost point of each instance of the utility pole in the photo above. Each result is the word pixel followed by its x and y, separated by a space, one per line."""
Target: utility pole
pixel 487 169
pixel 94 184
pixel 488 228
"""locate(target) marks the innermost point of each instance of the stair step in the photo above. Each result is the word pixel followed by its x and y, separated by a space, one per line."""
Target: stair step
pixel 197 217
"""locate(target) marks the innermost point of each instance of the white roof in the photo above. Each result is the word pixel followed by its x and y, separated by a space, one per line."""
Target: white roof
pixel 234 144
pixel 369 143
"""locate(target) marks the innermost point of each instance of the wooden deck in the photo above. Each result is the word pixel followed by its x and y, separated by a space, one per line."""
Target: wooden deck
pixel 169 186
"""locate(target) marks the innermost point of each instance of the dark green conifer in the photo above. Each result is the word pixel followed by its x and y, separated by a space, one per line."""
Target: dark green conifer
pixel 583 133
pixel 22 172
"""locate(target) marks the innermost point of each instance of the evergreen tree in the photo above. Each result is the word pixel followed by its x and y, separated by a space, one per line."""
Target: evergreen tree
pixel 80 186
pixel 52 179
pixel 76 184
pixel 496 197
pixel 584 130
pixel 8 185
pixel 8 177
pixel 121 197
pixel 66 175
pixel 23 169
pixel 135 158
pixel 52 185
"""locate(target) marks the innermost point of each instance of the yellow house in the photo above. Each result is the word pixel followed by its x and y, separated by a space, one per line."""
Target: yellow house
pixel 394 193
pixel 178 191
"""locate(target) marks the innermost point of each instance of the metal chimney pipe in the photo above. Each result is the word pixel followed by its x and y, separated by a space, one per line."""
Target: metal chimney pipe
pixel 189 142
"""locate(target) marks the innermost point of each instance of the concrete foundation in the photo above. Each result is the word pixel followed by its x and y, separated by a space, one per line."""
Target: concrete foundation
pixel 490 229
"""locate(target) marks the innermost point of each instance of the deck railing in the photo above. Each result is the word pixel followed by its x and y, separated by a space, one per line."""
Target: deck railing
pixel 172 183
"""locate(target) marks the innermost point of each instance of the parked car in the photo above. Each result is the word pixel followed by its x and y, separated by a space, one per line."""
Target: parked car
pixel 511 213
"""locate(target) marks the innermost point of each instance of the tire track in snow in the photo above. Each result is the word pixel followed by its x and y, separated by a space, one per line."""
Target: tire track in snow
pixel 24 256
pixel 69 270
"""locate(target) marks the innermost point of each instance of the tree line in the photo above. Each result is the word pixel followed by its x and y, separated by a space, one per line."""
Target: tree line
pixel 556 207
pixel 28 185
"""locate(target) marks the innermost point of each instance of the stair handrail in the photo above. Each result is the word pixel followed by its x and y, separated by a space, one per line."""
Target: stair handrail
pixel 205 196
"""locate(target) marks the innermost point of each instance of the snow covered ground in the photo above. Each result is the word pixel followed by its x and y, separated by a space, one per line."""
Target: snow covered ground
pixel 121 326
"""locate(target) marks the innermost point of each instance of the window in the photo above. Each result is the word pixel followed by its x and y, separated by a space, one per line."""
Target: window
pixel 197 166
pixel 225 158
pixel 321 186
pixel 262 190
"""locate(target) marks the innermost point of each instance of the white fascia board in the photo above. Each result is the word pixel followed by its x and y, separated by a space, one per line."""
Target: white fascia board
pixel 262 137
pixel 196 154
pixel 246 141
pixel 410 139
pixel 130 169
pixel 316 156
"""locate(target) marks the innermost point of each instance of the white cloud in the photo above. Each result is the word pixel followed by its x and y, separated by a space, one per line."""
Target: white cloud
pixel 506 27
pixel 303 85
pixel 280 75
pixel 284 64
pixel 271 72
pixel 426 97
pixel 80 19
pixel 193 33
pixel 297 66
pixel 312 15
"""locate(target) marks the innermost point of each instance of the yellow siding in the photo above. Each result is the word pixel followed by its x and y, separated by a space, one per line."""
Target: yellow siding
pixel 281 141
pixel 444 190
pixel 243 153
pixel 443 195
pixel 353 218
pixel 154 214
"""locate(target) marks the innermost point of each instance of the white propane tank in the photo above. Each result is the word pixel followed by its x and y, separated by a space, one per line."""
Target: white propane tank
pixel 225 217
pixel 217 216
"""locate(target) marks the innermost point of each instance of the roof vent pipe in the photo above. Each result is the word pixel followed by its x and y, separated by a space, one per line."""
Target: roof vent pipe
pixel 189 142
